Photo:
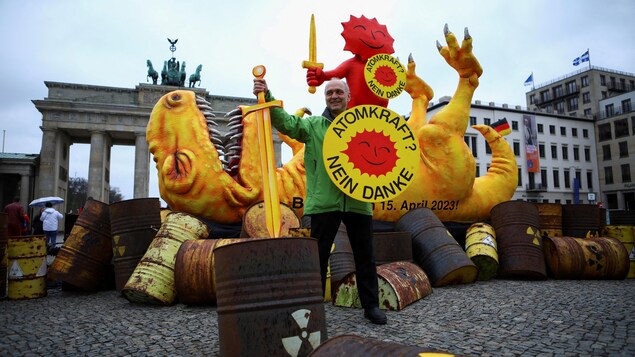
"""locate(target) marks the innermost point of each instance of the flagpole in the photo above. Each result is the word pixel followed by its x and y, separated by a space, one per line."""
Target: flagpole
pixel 588 51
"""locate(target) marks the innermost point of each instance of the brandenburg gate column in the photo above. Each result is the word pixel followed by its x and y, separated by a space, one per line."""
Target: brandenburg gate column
pixel 141 166
pixel 98 167
pixel 48 164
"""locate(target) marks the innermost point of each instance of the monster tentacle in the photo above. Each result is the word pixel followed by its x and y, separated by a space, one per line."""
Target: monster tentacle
pixel 498 185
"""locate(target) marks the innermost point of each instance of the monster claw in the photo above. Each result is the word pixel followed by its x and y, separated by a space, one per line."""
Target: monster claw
pixel 233 113
pixel 446 30
pixel 467 34
pixel 411 59
pixel 439 47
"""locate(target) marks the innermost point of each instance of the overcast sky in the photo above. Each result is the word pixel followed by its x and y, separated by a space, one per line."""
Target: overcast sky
pixel 108 42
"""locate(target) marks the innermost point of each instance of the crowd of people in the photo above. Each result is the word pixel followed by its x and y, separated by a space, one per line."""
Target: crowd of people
pixel 46 222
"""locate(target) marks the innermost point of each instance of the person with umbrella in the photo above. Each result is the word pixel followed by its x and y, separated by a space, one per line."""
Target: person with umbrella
pixel 50 218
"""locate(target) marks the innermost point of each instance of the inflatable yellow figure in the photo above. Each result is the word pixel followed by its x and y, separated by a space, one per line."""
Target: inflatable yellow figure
pixel 194 179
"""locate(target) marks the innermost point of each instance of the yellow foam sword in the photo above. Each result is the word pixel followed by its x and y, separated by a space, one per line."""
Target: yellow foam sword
pixel 312 62
pixel 265 142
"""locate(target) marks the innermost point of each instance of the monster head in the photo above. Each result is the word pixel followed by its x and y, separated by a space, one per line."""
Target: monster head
pixel 366 37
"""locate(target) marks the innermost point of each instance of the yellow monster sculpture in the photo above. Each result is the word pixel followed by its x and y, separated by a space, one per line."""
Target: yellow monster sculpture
pixel 194 179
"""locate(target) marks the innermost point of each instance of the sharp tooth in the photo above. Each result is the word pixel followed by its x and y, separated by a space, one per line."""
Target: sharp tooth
pixel 233 112
pixel 208 113
pixel 215 132
pixel 205 108
pixel 202 100
pixel 210 121
pixel 236 136
pixel 232 147
pixel 236 118
pixel 217 142
pixel 235 125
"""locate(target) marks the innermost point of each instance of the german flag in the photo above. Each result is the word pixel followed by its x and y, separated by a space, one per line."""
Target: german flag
pixel 502 127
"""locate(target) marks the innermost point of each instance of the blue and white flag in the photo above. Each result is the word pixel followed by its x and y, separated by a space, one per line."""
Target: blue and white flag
pixel 584 58
pixel 529 80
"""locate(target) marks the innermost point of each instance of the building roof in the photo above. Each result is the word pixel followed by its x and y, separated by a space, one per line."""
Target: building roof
pixel 17 156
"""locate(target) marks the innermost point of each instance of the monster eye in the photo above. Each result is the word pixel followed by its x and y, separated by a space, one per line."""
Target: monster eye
pixel 176 97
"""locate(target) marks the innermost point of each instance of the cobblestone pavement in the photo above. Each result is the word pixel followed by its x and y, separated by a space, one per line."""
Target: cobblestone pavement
pixel 494 318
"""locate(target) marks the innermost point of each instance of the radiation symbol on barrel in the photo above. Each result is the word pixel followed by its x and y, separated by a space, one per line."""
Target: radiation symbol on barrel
pixel 293 344
pixel 370 153
pixel 535 234
pixel 116 248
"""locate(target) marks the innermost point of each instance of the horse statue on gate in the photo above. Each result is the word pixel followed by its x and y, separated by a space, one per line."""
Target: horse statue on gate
pixel 196 77
pixel 152 73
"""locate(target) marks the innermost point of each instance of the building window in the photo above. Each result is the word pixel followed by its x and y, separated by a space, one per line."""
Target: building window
pixel 574 132
pixel 621 128
pixel 488 149
pixel 603 94
pixel 514 125
pixel 587 154
pixel 532 99
pixel 563 131
pixel 554 151
pixel 609 109
pixel 560 107
pixel 545 96
pixel 584 81
pixel 587 112
pixel 604 132
pixel 576 153
pixel 540 128
pixel 552 129
pixel 478 171
pixel 556 178
pixel 623 148
pixel 602 80
pixel 586 97
pixel 472 120
pixel 626 106
pixel 487 121
pixel 567 179
pixel 573 103
pixel 543 178
pixel 633 125
pixel 516 148
pixel 589 180
pixel 520 177
pixel 541 150
pixel 571 87
pixel 473 146
pixel 606 152
pixel 608 175
pixel 548 109
pixel 557 92
pixel 565 152
pixel 626 173
pixel 585 133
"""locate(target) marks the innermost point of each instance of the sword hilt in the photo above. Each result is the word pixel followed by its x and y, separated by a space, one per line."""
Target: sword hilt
pixel 311 64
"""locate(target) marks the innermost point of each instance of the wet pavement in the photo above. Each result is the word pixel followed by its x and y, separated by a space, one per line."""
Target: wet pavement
pixel 492 318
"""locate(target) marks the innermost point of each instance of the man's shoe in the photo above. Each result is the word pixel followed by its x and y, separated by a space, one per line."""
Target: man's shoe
pixel 375 315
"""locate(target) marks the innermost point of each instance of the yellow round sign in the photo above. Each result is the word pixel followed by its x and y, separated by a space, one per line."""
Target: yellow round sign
pixel 370 153
pixel 385 76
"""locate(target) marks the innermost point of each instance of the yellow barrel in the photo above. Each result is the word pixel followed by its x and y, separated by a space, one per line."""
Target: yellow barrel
pixel 27 267
pixel 480 246
pixel 626 235
pixel 152 281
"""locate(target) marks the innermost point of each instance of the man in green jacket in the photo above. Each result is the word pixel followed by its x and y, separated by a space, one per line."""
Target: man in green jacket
pixel 325 203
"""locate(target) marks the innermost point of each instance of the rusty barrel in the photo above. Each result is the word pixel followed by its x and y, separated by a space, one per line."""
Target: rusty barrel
pixel 520 252
pixel 586 258
pixel 27 267
pixel 4 240
pixel 353 345
pixel 626 235
pixel 582 220
pixel 133 225
pixel 269 294
pixel 550 219
pixel 255 223
pixel 622 217
pixel 480 246
pixel 435 250
pixel 194 279
pixel 392 247
pixel 400 284
pixel 84 259
pixel 152 281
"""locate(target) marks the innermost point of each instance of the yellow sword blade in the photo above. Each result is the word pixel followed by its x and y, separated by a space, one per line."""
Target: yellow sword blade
pixel 265 141
pixel 312 62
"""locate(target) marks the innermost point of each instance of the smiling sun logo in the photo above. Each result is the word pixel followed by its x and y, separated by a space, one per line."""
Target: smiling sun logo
pixel 370 153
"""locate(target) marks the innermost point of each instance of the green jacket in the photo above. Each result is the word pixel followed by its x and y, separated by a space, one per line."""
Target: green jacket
pixel 321 194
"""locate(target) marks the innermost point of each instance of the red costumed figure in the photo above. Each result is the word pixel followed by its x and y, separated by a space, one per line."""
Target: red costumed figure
pixel 364 38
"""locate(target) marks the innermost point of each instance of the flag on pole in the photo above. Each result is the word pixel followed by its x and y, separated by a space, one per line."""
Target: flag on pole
pixel 584 58
pixel 502 126
pixel 529 80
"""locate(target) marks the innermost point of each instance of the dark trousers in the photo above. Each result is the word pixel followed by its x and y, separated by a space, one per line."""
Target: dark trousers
pixel 359 228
